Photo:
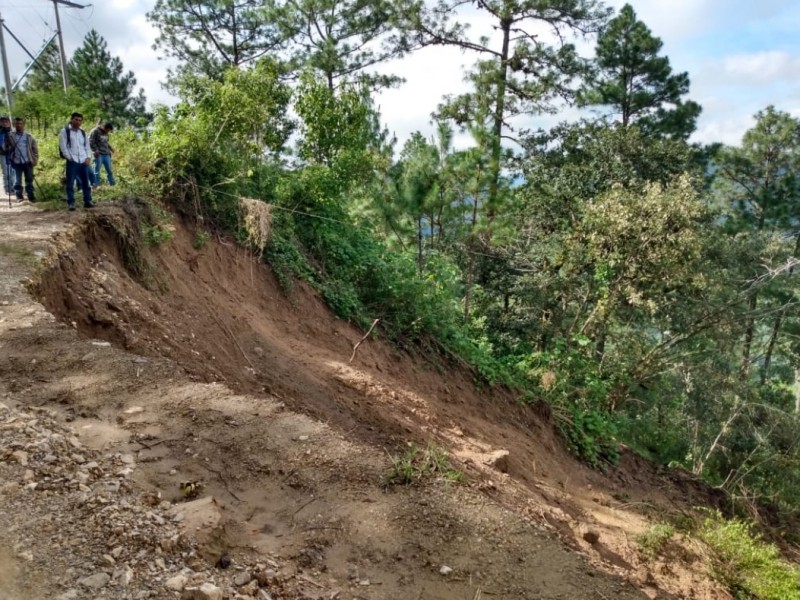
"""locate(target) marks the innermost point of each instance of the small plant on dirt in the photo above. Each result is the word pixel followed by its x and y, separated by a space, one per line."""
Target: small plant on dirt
pixel 653 541
pixel 416 464
pixel 745 564
pixel 201 238
pixel 155 235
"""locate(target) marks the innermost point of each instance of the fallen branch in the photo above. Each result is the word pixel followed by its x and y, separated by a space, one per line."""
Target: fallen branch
pixel 154 444
pixel 224 482
pixel 228 331
pixel 355 348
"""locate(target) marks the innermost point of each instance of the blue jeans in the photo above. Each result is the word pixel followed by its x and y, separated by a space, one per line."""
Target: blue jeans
pixel 26 170
pixel 9 176
pixel 103 160
pixel 79 171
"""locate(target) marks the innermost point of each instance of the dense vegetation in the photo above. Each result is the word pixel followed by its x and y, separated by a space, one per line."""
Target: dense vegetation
pixel 641 285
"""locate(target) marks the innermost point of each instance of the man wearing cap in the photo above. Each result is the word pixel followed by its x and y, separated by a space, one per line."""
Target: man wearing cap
pixel 74 146
pixel 23 152
pixel 98 141
pixel 9 177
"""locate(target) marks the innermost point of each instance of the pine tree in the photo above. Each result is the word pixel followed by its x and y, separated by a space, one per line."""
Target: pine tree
pixel 342 38
pixel 759 182
pixel 210 36
pixel 101 77
pixel 522 74
pixel 637 83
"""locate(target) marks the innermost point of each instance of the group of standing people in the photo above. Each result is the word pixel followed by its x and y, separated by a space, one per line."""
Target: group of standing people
pixel 20 154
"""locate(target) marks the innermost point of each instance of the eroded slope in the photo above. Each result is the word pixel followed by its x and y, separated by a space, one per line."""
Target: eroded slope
pixel 212 371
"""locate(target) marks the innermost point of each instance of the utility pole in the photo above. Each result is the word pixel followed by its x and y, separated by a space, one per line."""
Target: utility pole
pixel 6 72
pixel 64 76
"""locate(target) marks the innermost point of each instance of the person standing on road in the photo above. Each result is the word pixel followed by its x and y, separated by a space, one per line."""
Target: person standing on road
pixel 73 144
pixel 23 152
pixel 9 176
pixel 102 149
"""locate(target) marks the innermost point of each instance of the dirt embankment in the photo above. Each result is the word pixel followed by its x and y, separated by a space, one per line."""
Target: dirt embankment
pixel 214 374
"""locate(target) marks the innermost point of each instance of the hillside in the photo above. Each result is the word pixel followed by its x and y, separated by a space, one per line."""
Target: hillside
pixel 193 365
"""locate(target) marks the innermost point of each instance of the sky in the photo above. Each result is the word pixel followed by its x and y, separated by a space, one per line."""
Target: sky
pixel 741 56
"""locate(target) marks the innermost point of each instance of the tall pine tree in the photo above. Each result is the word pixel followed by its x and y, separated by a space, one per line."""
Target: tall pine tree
pixel 210 36
pixel 519 74
pixel 100 77
pixel 343 39
pixel 636 83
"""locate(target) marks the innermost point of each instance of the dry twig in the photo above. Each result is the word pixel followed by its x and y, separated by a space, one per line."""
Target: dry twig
pixel 355 348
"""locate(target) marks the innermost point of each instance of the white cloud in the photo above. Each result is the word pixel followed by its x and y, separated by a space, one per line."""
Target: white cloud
pixel 759 68
pixel 728 131
pixel 674 20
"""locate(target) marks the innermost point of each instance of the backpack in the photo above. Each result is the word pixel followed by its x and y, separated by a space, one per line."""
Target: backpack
pixel 69 141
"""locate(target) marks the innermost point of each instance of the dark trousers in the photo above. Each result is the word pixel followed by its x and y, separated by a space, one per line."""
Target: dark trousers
pixel 26 170
pixel 80 172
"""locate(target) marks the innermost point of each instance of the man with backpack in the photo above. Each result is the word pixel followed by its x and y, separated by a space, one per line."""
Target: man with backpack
pixel 98 141
pixel 73 145
pixel 23 152
pixel 9 176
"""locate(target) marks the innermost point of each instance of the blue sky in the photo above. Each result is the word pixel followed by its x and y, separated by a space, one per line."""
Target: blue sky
pixel 741 56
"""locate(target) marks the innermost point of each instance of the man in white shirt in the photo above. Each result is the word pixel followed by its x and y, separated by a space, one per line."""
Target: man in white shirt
pixel 74 146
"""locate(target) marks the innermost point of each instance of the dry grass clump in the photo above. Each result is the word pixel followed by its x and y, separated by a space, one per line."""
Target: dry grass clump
pixel 257 222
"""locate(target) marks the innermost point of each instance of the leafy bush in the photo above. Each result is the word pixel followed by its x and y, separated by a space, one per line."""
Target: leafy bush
pixel 653 541
pixel 201 238
pixel 590 434
pixel 571 381
pixel 745 564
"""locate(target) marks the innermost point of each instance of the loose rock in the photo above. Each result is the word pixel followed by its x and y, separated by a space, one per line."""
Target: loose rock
pixel 96 581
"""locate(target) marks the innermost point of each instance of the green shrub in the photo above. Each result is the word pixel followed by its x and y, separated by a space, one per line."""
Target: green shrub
pixel 653 541
pixel 201 238
pixel 745 564
pixel 569 378
pixel 590 433
pixel 155 235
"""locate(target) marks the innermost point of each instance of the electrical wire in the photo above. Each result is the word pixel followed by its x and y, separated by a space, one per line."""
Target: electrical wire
pixel 313 216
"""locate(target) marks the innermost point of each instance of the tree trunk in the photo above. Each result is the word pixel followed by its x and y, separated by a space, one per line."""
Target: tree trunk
pixel 744 369
pixel 439 226
pixel 776 328
pixel 751 321
pixel 419 243
pixel 470 253
pixel 497 128
pixel 797 390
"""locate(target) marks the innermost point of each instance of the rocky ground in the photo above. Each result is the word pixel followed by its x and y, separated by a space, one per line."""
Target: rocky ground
pixel 106 539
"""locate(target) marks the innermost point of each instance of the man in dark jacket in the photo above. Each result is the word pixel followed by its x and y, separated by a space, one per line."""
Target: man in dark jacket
pixel 23 152
pixel 102 149
pixel 9 177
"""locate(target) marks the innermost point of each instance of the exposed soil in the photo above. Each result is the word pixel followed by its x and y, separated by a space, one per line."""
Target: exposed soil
pixel 200 366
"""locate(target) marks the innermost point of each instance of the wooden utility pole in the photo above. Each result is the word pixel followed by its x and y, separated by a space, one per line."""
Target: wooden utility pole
pixel 64 75
pixel 6 73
